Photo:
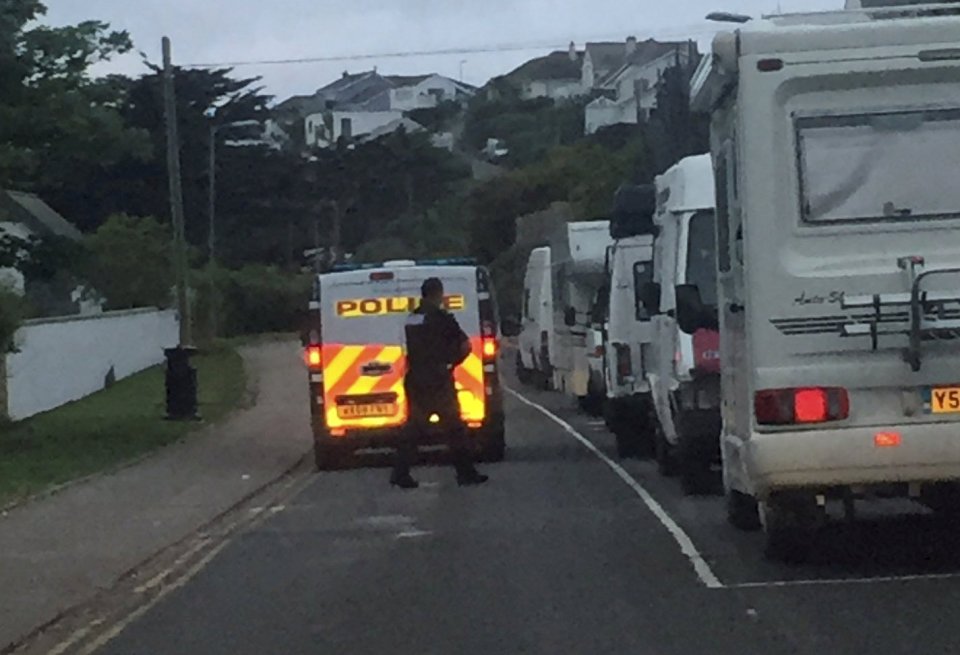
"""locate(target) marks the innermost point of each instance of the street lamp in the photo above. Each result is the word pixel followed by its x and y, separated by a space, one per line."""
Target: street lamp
pixel 212 213
pixel 212 200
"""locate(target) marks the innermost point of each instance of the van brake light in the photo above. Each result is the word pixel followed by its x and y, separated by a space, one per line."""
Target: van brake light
pixel 314 356
pixel 801 405
pixel 489 347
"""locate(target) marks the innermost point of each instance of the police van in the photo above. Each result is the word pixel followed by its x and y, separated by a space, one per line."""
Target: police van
pixel 356 356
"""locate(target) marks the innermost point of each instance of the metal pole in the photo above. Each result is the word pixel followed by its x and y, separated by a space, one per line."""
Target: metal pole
pixel 176 196
pixel 212 200
pixel 212 300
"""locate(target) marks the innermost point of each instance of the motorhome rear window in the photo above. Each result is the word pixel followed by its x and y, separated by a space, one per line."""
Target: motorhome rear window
pixel 879 166
pixel 642 275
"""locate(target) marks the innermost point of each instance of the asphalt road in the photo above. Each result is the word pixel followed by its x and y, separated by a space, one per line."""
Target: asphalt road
pixel 559 553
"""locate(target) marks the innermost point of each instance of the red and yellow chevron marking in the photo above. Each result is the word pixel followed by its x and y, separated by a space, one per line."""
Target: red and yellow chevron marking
pixel 343 376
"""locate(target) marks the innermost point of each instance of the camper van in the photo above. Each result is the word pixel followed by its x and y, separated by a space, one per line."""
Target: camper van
pixel 834 141
pixel 628 330
pixel 578 253
pixel 536 335
pixel 684 369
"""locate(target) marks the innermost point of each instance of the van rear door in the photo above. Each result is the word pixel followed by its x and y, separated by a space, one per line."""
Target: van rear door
pixel 363 360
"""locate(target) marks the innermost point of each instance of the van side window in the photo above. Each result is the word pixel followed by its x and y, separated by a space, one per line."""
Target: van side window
pixel 642 275
pixel 526 303
pixel 721 175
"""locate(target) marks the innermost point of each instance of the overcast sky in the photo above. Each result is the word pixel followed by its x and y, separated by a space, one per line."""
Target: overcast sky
pixel 212 31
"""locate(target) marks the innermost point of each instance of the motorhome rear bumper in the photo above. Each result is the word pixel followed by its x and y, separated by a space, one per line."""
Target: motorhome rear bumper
pixel 849 457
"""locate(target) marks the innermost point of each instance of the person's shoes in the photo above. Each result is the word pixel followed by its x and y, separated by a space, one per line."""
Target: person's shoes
pixel 404 481
pixel 471 478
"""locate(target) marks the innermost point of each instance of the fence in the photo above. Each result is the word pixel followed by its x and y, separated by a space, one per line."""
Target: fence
pixel 60 360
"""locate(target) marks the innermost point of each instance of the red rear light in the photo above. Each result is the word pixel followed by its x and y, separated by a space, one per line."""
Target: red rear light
pixel 381 276
pixel 488 329
pixel 314 356
pixel 489 347
pixel 803 405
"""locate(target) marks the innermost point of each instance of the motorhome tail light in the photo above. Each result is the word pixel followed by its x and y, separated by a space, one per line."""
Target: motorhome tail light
pixel 599 351
pixel 769 65
pixel 314 356
pixel 801 405
pixel 487 329
pixel 381 276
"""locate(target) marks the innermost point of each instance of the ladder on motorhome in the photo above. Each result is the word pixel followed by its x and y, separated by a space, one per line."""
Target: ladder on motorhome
pixel 922 315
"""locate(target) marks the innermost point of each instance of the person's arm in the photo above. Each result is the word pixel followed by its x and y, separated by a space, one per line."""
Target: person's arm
pixel 458 336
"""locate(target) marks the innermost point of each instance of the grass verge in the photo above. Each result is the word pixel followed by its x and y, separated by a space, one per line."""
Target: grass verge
pixel 110 427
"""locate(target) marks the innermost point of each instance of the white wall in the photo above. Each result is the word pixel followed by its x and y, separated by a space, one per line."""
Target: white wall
pixel 363 122
pixel 603 112
pixel 64 359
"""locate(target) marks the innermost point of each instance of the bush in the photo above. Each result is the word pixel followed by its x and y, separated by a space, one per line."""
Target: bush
pixel 11 316
pixel 252 300
pixel 131 264
pixel 507 272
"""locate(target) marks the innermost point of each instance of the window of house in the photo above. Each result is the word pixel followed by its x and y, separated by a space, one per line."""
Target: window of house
pixel 346 127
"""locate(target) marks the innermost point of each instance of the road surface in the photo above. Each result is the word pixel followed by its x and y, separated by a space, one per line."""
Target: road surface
pixel 562 552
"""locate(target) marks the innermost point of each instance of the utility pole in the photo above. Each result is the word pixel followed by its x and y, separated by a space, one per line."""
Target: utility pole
pixel 176 197
pixel 181 378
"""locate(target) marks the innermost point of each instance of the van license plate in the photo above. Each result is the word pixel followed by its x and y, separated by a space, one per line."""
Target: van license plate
pixel 364 411
pixel 945 400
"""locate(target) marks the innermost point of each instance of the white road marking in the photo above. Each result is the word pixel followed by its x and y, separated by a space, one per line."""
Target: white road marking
pixel 842 581
pixel 700 566
pixel 414 533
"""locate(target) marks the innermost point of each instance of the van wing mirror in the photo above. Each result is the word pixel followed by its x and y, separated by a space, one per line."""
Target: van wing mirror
pixel 570 316
pixel 650 297
pixel 510 327
pixel 692 314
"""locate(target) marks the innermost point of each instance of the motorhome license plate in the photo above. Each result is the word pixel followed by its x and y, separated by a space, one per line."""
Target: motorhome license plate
pixel 944 400
pixel 367 410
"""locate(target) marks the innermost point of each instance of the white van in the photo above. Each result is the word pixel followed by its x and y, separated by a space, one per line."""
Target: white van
pixel 684 374
pixel 836 152
pixel 578 253
pixel 628 328
pixel 536 328
pixel 356 355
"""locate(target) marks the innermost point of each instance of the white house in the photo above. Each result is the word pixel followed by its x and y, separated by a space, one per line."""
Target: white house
pixel 557 75
pixel 359 104
pixel 630 90
pixel 424 91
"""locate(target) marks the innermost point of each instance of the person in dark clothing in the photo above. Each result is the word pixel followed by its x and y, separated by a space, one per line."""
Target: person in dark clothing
pixel 436 345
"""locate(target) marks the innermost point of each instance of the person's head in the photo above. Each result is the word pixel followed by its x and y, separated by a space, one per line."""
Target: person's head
pixel 432 292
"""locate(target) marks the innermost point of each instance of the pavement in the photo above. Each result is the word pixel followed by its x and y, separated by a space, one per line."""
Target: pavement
pixel 566 550
pixel 60 551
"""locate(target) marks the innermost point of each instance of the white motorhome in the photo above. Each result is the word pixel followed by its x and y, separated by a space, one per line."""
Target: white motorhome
pixel 536 335
pixel 628 330
pixel 578 251
pixel 684 370
pixel 835 140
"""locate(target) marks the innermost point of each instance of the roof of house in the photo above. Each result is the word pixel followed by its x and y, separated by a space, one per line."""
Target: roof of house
pixel 407 80
pixel 26 208
pixel 647 51
pixel 407 124
pixel 607 56
pixel 556 66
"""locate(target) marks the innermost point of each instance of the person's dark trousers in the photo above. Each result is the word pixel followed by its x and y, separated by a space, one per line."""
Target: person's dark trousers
pixel 418 424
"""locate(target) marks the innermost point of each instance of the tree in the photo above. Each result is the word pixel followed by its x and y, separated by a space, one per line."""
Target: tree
pixel 131 263
pixel 56 123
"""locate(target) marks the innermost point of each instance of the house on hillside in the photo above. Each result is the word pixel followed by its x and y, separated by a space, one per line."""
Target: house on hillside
pixel 24 215
pixel 359 104
pixel 557 76
pixel 628 92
